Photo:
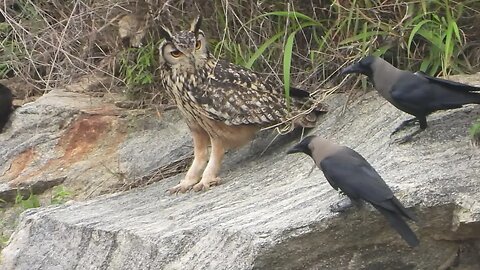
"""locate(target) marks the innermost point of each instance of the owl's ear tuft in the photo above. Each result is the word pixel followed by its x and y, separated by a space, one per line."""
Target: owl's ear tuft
pixel 165 33
pixel 195 27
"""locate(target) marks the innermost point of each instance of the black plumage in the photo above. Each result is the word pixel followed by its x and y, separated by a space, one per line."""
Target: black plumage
pixel 6 105
pixel 348 171
pixel 414 93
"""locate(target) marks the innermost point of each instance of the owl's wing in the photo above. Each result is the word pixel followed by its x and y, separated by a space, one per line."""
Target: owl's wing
pixel 228 72
pixel 242 76
pixel 245 77
pixel 239 96
pixel 236 105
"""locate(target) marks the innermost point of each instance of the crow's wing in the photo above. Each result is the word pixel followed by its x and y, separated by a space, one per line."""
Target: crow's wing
pixel 350 172
pixel 447 83
pixel 417 95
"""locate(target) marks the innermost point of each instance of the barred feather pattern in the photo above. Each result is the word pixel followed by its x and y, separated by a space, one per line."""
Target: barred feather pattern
pixel 228 93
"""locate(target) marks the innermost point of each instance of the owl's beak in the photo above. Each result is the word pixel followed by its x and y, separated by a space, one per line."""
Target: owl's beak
pixel 192 61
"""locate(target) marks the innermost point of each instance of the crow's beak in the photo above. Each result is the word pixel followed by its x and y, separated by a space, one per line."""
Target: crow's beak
pixel 355 68
pixel 295 149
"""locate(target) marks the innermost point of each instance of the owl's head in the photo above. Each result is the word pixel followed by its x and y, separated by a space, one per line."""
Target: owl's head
pixel 185 50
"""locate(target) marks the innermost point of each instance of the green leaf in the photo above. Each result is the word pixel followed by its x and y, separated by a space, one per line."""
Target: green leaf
pixel 448 47
pixel 287 62
pixel 475 129
pixel 433 38
pixel 31 202
pixel 457 31
pixel 362 36
pixel 435 66
pixel 290 14
pixel 425 64
pixel 262 48
pixel 381 51
pixel 414 31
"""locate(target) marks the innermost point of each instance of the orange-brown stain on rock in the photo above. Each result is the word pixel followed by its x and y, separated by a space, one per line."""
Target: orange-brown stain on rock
pixel 20 163
pixel 83 136
pixel 87 134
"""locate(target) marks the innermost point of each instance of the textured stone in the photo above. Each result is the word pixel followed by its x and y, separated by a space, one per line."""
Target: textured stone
pixel 90 144
pixel 269 213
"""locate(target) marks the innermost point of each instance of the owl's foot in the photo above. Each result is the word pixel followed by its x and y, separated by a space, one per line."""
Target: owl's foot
pixel 184 186
pixel 206 183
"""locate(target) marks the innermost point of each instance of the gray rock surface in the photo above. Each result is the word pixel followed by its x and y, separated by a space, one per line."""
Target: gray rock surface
pixel 270 214
pixel 85 143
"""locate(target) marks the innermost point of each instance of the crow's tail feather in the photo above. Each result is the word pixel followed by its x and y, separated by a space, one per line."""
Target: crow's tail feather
pixel 405 212
pixel 400 226
pixel 297 92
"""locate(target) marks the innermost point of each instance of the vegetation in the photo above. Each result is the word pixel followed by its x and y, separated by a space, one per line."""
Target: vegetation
pixel 305 41
pixel 31 202
pixel 431 36
pixel 137 67
pixel 60 195
pixel 475 133
pixel 9 215
pixel 138 72
pixel 49 42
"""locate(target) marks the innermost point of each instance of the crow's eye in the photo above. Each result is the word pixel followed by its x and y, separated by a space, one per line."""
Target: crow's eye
pixel 198 45
pixel 176 53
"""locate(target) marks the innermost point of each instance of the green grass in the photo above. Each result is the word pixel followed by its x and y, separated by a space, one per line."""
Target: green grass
pixel 416 35
pixel 137 64
pixel 303 43
pixel 60 195
pixel 439 29
pixel 428 34
pixel 31 202
pixel 137 69
pixel 475 132
pixel 7 50
pixel 12 50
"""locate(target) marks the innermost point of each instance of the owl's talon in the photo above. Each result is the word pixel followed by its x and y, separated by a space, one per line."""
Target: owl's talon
pixel 183 187
pixel 178 189
pixel 206 184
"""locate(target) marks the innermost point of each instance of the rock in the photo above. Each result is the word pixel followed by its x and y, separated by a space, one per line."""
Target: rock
pixel 8 193
pixel 84 142
pixel 269 213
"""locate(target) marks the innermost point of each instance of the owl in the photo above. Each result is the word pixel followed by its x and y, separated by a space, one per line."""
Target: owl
pixel 223 104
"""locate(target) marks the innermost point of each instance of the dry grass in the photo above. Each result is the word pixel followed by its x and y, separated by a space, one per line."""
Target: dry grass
pixel 173 168
pixel 48 43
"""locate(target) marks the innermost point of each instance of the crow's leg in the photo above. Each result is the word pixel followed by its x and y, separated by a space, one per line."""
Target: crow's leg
pixel 409 137
pixel 404 124
pixel 344 205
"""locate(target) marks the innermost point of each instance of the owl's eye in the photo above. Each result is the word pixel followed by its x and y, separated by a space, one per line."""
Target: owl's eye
pixel 176 53
pixel 198 45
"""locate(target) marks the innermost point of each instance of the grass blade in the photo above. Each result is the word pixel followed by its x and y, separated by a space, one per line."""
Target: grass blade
pixel 414 32
pixel 262 48
pixel 287 62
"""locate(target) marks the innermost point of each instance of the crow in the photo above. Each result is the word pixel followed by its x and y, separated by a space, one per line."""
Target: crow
pixel 414 93
pixel 348 171
pixel 6 105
